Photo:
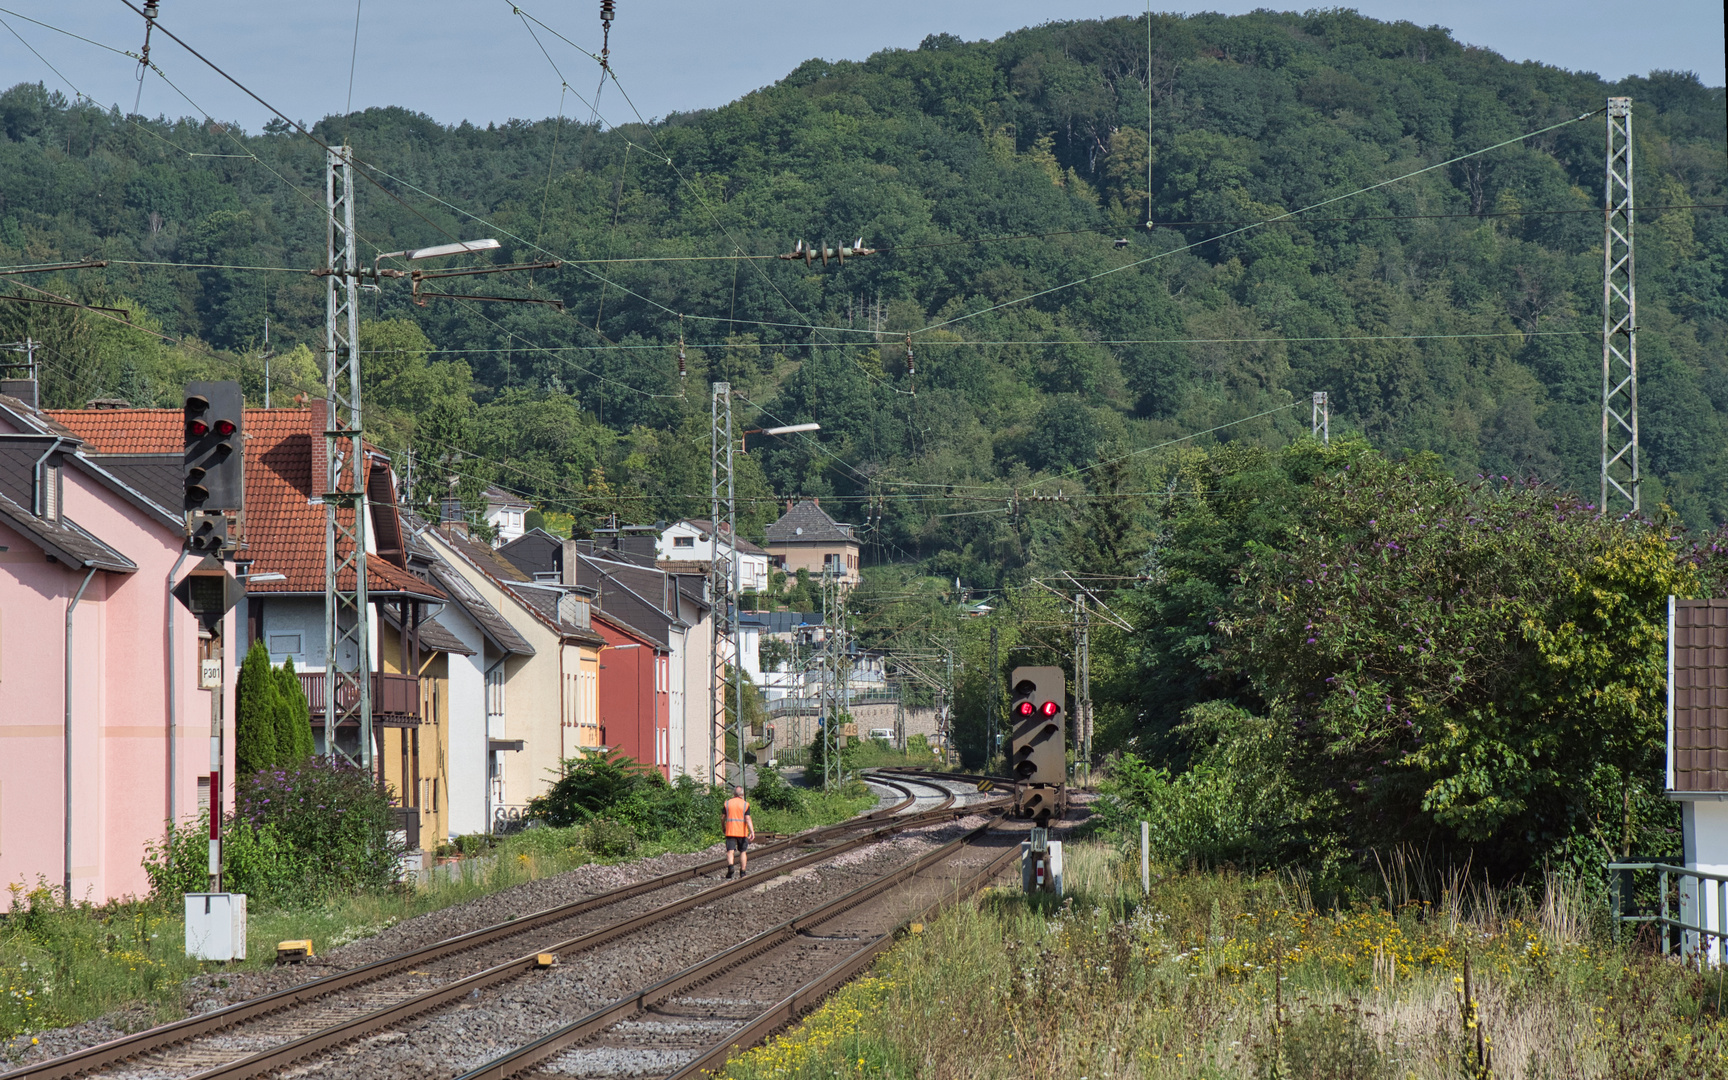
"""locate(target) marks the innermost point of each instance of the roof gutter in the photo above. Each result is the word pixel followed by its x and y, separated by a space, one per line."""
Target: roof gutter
pixel 67 812
pixel 173 706
pixel 36 474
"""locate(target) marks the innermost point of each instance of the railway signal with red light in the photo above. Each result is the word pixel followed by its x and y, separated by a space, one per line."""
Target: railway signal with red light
pixel 213 462
pixel 1036 751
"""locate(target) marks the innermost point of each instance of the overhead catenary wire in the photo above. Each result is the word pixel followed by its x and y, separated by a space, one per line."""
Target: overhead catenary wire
pixel 1270 340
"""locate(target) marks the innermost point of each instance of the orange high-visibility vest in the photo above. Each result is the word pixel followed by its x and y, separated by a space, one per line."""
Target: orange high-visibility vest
pixel 736 811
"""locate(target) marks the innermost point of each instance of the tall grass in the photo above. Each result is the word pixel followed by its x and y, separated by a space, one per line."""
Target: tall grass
pixel 1222 974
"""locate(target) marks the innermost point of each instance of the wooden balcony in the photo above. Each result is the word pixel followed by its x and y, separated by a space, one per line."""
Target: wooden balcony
pixel 395 698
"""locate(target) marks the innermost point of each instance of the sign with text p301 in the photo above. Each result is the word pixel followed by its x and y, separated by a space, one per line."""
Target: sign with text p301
pixel 209 674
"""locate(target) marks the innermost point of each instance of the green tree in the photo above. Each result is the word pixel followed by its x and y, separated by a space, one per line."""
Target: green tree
pixel 258 708
pixel 1476 664
pixel 294 719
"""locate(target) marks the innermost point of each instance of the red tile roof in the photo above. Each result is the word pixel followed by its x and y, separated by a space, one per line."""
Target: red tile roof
pixel 284 528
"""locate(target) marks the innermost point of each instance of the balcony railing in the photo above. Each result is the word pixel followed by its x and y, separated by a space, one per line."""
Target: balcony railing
pixel 395 698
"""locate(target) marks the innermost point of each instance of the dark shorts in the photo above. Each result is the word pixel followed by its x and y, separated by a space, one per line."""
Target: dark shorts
pixel 737 843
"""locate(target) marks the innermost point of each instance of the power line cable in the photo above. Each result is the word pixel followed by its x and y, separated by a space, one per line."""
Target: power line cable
pixel 1259 224
pixel 353 59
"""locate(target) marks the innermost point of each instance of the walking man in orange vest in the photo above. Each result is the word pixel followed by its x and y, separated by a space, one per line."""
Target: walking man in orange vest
pixel 740 830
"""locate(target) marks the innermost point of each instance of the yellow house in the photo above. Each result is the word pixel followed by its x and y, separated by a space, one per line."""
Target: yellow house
pixel 415 760
pixel 542 701
pixel 806 538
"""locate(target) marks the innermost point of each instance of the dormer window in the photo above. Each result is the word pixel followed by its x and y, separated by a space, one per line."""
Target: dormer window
pixel 50 496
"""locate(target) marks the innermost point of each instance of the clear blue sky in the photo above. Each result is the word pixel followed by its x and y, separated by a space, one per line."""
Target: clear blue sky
pixel 474 60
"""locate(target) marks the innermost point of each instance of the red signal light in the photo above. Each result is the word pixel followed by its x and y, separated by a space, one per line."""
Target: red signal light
pixel 224 427
pixel 1024 708
pixel 1049 708
pixel 197 429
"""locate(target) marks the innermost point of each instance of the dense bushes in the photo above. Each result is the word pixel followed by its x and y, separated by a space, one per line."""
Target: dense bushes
pixel 298 834
pixel 1396 656
pixel 772 792
pixel 625 792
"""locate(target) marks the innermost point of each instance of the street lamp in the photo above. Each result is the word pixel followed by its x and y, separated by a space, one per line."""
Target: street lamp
pixel 789 429
pixel 457 248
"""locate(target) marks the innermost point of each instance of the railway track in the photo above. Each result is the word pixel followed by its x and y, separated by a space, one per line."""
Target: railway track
pixel 690 1022
pixel 269 1032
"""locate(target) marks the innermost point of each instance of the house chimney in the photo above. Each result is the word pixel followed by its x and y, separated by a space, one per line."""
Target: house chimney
pixel 571 561
pixel 315 425
pixel 789 506
pixel 817 500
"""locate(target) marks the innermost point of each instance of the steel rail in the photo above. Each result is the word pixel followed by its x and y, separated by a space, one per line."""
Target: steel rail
pixel 910 771
pixel 547 1046
pixel 811 993
pixel 282 1054
pixel 95 1058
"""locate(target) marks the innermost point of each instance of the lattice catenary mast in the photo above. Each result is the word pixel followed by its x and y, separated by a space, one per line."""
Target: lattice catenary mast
pixel 722 581
pixel 1620 476
pixel 347 609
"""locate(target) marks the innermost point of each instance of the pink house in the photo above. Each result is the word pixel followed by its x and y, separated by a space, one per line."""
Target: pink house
pixel 90 545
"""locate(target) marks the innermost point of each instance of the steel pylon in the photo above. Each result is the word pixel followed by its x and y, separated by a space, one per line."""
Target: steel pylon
pixel 347 609
pixel 723 583
pixel 1620 473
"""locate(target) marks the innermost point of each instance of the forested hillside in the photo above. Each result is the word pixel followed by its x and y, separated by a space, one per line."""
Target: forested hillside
pixel 1455 312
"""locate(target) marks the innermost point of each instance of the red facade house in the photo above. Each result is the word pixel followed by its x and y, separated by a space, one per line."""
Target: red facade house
pixel 635 699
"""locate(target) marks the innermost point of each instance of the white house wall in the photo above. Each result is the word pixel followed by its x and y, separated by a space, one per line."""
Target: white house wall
pixel 1704 839
pixel 466 769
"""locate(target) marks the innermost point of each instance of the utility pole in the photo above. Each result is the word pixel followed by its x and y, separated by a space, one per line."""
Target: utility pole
pixel 722 580
pixel 1321 423
pixel 836 676
pixel 347 609
pixel 993 732
pixel 10 368
pixel 266 358
pixel 1620 476
pixel 900 717
pixel 1083 694
pixel 948 708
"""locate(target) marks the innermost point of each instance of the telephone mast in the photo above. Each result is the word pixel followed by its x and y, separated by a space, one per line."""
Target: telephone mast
pixel 1620 476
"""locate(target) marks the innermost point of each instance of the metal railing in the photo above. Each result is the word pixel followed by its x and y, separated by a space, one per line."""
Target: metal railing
pixel 812 702
pixel 392 695
pixel 1678 908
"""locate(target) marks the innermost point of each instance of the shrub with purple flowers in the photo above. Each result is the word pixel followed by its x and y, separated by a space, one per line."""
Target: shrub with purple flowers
pixel 299 834
pixel 332 815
